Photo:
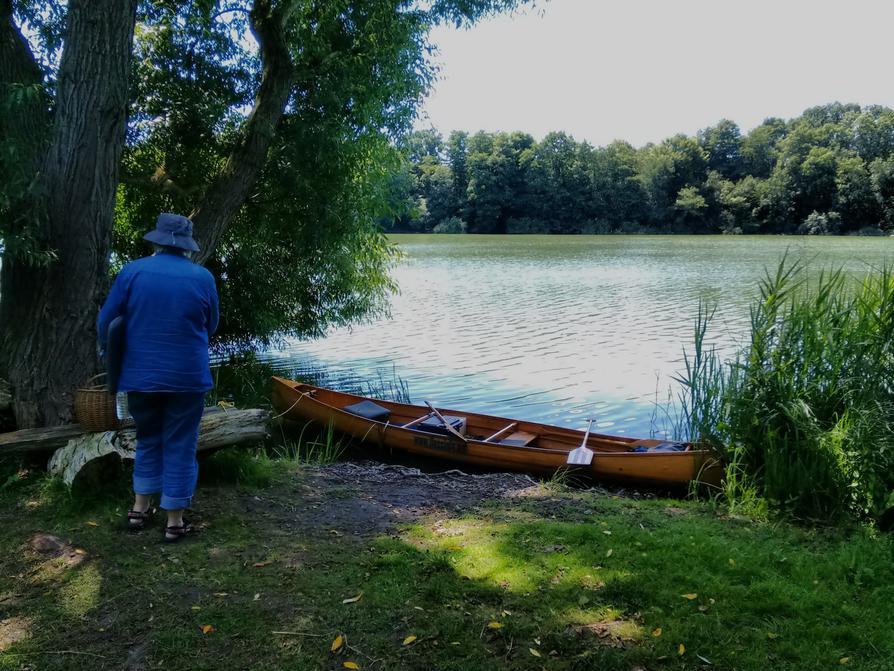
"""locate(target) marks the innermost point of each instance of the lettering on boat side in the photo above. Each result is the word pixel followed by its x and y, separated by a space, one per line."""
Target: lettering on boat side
pixel 442 444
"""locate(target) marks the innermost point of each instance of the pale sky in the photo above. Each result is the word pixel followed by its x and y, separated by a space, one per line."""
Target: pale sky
pixel 643 70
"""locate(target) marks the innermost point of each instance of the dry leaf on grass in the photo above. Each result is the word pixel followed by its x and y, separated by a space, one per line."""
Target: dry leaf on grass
pixel 353 599
pixel 534 652
pixel 351 665
pixel 681 649
pixel 337 643
pixel 656 632
pixel 494 625
pixel 207 628
pixel 691 597
pixel 409 639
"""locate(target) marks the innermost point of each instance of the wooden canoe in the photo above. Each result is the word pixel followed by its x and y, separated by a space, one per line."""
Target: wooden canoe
pixel 497 442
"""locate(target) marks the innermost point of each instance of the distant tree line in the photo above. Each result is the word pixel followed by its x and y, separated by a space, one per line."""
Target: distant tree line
pixel 829 171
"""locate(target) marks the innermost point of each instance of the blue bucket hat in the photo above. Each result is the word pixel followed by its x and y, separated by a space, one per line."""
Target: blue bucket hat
pixel 173 230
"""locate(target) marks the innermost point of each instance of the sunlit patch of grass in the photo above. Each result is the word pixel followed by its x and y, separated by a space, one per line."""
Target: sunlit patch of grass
pixel 79 594
pixel 743 594
pixel 14 630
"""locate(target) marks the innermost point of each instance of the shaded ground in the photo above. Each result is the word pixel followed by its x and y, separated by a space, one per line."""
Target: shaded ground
pixel 388 567
pixel 367 498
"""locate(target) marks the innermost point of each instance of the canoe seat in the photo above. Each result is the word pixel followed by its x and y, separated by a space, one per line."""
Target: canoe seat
pixel 520 438
pixel 369 410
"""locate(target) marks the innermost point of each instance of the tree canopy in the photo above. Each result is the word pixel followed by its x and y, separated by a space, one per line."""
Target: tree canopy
pixel 827 171
pixel 271 123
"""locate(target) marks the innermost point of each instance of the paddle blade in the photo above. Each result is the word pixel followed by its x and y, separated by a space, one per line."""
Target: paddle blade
pixel 580 456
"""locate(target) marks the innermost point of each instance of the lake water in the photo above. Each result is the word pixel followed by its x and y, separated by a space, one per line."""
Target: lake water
pixel 559 329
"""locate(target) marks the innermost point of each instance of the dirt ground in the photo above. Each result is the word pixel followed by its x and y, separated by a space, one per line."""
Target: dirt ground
pixel 363 498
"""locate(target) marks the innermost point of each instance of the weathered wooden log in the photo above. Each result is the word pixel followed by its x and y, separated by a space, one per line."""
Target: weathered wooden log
pixel 218 429
pixel 37 442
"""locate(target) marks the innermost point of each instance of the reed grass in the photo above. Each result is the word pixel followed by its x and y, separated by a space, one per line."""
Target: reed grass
pixel 313 446
pixel 805 412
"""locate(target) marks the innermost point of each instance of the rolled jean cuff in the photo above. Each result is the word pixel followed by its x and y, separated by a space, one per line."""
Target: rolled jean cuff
pixel 146 486
pixel 172 503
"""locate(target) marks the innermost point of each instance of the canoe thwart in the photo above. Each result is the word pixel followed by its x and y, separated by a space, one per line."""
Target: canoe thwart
pixel 501 432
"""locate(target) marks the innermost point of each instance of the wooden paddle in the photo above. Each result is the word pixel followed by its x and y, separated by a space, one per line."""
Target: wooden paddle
pixel 447 424
pixel 583 455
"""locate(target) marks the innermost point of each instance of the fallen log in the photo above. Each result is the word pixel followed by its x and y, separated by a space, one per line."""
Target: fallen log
pixel 228 427
pixel 219 428
pixel 37 441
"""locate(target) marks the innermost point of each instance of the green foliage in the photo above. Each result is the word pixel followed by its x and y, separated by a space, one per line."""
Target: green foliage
pixel 835 160
pixel 305 250
pixel 451 225
pixel 806 411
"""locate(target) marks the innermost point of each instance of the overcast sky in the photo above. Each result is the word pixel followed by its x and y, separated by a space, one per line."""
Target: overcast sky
pixel 643 70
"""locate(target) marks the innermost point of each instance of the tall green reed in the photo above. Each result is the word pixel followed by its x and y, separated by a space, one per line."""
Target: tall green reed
pixel 805 411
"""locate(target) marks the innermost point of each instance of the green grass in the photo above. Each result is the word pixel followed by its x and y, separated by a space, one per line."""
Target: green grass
pixel 584 580
pixel 313 445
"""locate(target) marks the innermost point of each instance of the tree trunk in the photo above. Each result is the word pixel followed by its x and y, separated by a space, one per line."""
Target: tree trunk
pixel 232 187
pixel 48 313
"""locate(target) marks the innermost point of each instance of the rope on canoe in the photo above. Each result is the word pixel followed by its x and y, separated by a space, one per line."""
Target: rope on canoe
pixel 300 398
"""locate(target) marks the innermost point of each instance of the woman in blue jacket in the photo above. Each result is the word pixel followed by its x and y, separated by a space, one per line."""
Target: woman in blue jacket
pixel 170 308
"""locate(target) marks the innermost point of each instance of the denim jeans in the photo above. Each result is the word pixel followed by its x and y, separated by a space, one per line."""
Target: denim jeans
pixel 167 434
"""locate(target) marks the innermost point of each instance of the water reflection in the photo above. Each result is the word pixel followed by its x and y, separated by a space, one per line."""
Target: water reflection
pixel 559 329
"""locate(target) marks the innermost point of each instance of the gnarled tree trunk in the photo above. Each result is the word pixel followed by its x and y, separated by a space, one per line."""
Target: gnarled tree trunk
pixel 48 337
pixel 231 188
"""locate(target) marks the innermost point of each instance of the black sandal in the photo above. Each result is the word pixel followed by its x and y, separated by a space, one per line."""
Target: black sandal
pixel 175 533
pixel 136 520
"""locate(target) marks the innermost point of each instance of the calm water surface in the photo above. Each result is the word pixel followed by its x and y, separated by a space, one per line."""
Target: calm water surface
pixel 558 329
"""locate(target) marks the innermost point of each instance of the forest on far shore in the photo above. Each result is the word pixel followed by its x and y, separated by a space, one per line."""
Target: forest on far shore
pixel 829 171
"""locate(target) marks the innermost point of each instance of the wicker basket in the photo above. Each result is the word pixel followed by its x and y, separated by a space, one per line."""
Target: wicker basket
pixel 95 407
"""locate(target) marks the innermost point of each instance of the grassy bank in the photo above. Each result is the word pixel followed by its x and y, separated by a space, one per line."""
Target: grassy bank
pixel 416 572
